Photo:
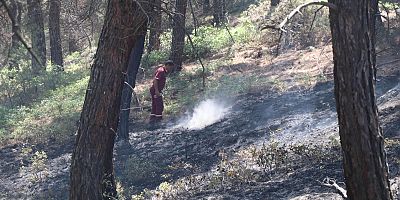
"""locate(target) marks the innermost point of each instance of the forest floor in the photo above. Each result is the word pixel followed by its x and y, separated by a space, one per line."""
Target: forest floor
pixel 277 141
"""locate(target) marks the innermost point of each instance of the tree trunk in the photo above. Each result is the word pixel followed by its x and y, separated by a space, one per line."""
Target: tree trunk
pixel 133 66
pixel 14 54
pixel 194 17
pixel 353 37
pixel 155 27
pixel 206 7
pixel 275 2
pixel 55 35
pixel 219 12
pixel 91 172
pixel 72 42
pixel 36 26
pixel 178 34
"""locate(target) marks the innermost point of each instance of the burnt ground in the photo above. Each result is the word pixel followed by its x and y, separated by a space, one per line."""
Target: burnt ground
pixel 201 159
pixel 253 120
pixel 301 118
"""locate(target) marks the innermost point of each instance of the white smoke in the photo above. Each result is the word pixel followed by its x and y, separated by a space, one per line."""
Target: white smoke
pixel 206 113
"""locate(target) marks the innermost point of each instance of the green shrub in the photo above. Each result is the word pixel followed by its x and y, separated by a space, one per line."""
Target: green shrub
pixel 212 39
pixel 54 116
pixel 153 58
pixel 44 105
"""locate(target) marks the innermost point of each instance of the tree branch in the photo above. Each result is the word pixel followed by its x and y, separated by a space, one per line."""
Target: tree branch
pixel 281 26
pixel 315 16
pixel 332 184
pixel 298 10
pixel 389 62
pixel 19 36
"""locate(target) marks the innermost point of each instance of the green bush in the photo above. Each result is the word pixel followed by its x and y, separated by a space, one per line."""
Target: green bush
pixel 44 105
pixel 154 58
pixel 22 87
pixel 212 39
pixel 209 40
pixel 54 116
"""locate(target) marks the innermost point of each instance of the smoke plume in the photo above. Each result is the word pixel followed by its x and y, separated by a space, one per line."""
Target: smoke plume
pixel 204 114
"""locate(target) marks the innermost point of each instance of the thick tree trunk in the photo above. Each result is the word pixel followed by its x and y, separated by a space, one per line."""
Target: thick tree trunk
pixel 155 27
pixel 126 98
pixel 55 35
pixel 38 39
pixel 14 54
pixel 353 36
pixel 92 174
pixel 178 34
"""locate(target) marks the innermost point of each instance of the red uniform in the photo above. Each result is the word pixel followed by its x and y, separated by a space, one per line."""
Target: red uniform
pixel 157 105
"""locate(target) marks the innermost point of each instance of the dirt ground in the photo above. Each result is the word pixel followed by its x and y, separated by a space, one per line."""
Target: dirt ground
pixel 301 112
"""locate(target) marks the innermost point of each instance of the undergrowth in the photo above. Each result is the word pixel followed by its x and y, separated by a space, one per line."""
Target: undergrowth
pixel 44 106
pixel 247 167
pixel 209 40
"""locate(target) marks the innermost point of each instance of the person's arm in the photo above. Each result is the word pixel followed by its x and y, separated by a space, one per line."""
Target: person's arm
pixel 155 84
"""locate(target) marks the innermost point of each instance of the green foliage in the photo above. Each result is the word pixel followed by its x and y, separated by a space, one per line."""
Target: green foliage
pixel 154 58
pixel 23 86
pixel 54 116
pixel 182 90
pixel 389 5
pixel 212 39
pixel 207 41
pixel 45 105
pixel 158 56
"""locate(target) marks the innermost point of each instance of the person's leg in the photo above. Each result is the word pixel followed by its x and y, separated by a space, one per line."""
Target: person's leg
pixel 159 108
pixel 153 106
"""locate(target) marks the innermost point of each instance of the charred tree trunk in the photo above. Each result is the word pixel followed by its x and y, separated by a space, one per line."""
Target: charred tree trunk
pixel 91 174
pixel 130 79
pixel 219 12
pixel 55 35
pixel 178 34
pixel 14 54
pixel 353 37
pixel 155 27
pixel 38 39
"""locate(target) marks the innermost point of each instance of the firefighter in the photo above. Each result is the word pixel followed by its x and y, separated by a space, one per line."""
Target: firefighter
pixel 160 77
